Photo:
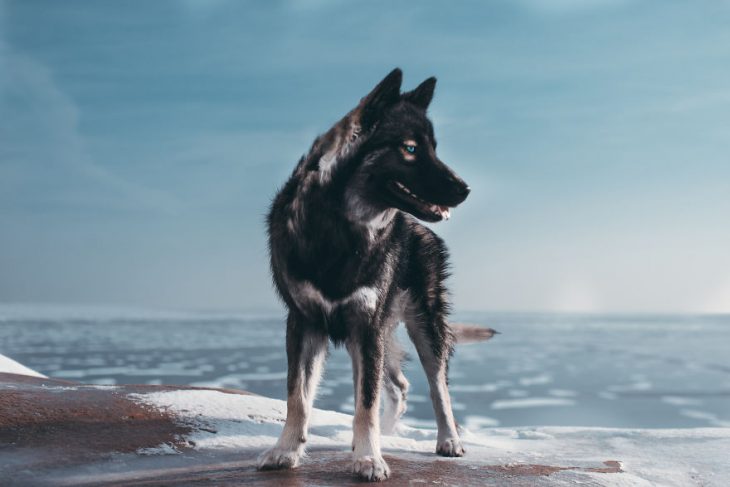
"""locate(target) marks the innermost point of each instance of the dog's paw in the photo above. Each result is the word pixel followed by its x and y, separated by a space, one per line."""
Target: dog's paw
pixel 373 469
pixel 450 447
pixel 278 458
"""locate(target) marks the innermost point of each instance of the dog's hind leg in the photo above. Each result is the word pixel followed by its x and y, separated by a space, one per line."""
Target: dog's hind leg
pixel 367 353
pixel 433 340
pixel 306 349
pixel 395 385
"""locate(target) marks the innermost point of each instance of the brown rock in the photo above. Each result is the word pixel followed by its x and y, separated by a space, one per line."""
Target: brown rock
pixel 58 432
pixel 74 423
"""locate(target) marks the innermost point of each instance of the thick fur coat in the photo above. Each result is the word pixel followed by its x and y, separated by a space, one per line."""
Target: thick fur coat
pixel 350 260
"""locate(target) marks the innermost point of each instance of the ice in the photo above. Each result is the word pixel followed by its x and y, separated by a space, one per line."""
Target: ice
pixel 532 402
pixel 479 422
pixel 535 380
pixel 224 424
pixel 710 418
pixel 68 312
pixel 562 393
pixel 681 401
pixel 618 369
pixel 489 387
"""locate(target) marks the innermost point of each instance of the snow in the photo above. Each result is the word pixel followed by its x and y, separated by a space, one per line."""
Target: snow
pixel 10 366
pixel 647 456
pixel 532 402
pixel 224 423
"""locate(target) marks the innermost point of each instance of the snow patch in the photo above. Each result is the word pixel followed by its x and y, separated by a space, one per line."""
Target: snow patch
pixel 479 422
pixel 223 420
pixel 10 366
pixel 648 457
pixel 164 449
pixel 532 435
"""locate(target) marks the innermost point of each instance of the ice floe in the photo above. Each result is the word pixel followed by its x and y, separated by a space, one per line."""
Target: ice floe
pixel 532 402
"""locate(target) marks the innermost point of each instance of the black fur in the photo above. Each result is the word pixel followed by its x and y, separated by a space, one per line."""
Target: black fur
pixel 347 253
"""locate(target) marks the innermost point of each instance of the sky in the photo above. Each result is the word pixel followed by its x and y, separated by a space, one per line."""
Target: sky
pixel 141 144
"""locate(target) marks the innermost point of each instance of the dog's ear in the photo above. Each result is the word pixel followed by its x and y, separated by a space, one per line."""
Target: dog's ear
pixel 384 95
pixel 422 95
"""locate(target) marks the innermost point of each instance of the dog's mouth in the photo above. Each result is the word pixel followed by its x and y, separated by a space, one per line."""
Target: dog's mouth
pixel 417 206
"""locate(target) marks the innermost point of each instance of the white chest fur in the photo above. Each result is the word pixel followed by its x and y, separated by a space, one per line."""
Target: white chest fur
pixel 305 294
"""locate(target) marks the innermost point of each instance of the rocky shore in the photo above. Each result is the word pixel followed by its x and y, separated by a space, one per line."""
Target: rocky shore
pixel 55 432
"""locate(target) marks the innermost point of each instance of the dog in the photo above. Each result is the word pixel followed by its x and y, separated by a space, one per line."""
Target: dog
pixel 350 260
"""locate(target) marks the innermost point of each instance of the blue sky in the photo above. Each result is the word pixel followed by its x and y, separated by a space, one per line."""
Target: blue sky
pixel 140 144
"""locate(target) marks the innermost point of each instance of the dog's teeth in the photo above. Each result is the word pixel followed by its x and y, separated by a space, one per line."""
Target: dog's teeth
pixel 403 188
pixel 446 214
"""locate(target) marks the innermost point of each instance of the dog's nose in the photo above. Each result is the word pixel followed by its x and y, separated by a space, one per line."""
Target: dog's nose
pixel 459 186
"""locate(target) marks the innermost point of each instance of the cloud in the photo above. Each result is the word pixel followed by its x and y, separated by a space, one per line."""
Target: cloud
pixel 43 155
pixel 570 6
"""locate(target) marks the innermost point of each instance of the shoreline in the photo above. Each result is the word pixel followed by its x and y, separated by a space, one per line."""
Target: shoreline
pixel 55 432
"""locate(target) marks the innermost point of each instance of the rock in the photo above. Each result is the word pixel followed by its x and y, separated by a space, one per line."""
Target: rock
pixel 55 432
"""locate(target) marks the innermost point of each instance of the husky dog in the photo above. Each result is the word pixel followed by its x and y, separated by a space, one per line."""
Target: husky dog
pixel 350 261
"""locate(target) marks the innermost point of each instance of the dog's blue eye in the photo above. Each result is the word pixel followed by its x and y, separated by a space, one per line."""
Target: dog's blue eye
pixel 411 149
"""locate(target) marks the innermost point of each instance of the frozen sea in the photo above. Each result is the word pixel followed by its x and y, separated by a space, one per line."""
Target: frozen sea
pixel 619 371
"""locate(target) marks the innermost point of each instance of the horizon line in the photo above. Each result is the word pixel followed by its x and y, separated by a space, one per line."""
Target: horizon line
pixel 25 309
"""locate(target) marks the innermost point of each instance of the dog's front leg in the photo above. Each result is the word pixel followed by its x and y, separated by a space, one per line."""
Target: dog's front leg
pixel 367 355
pixel 306 350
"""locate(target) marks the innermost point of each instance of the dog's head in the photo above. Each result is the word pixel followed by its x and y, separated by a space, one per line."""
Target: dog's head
pixel 400 168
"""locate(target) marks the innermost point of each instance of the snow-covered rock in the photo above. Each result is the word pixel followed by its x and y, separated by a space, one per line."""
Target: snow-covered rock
pixel 601 456
pixel 55 432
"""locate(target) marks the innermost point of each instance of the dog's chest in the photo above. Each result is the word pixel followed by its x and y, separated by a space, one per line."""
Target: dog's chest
pixel 338 261
pixel 337 272
pixel 309 297
pixel 330 277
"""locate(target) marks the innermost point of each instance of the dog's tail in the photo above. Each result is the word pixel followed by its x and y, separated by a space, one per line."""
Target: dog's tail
pixel 466 333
